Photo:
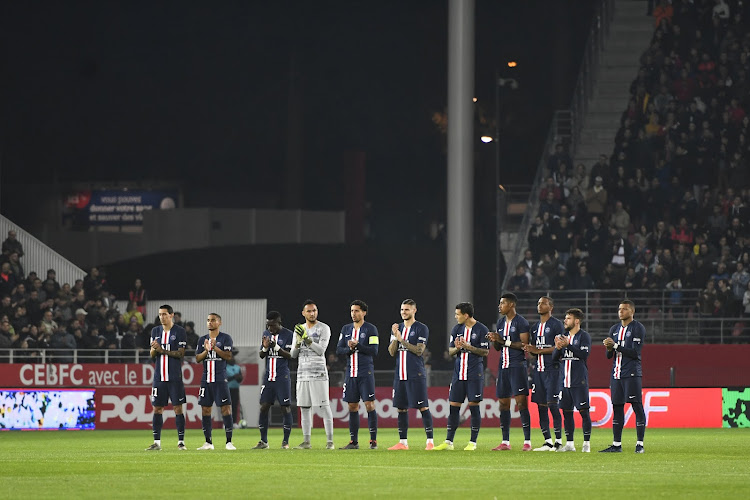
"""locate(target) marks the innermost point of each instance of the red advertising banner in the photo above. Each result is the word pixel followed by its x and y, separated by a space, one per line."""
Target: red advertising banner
pixel 122 391
pixel 100 375
pixel 664 408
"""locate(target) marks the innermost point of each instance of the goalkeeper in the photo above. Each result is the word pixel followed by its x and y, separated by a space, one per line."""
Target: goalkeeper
pixel 310 342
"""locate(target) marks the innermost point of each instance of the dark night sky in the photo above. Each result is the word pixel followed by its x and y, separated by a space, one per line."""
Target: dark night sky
pixel 198 92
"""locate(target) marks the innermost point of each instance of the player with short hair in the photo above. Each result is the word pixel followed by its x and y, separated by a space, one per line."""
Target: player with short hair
pixel 545 391
pixel 572 351
pixel 310 343
pixel 512 376
pixel 277 385
pixel 624 346
pixel 408 342
pixel 214 350
pixel 469 345
pixel 168 342
pixel 359 342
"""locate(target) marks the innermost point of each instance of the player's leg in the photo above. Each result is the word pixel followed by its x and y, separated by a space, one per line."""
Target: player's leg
pixel 319 395
pixel 553 402
pixel 418 399
pixel 566 405
pixel 284 397
pixel 635 389
pixel 304 403
pixel 206 401
pixel 456 396
pixel 520 387
pixel 352 397
pixel 401 402
pixel 368 388
pixel 503 393
pixel 539 396
pixel 159 399
pixel 581 396
pixel 267 397
pixel 288 420
pixel 475 388
pixel 225 403
pixel 177 394
pixel 617 396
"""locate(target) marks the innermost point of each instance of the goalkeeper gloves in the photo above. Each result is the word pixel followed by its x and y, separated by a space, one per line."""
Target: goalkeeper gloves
pixel 300 330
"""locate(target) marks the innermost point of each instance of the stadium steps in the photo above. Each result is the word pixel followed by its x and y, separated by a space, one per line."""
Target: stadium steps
pixel 629 35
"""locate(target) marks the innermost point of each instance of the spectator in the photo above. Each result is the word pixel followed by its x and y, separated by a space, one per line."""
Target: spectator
pixel 52 278
pixel 682 234
pixel 539 281
pixel 560 280
pixel 550 187
pixel 16 267
pixel 579 179
pixel 519 282
pixel 93 284
pixel 94 344
pixel 600 169
pixel 82 323
pixel 64 343
pixel 558 158
pixel 550 205
pixel 596 244
pixel 129 342
pixel 539 238
pixel 11 245
pixel 138 295
pixel 131 313
pixel 620 219
pixel 192 337
pixel 7 279
pixel 746 302
pixel 48 325
pixel 583 280
pixel 631 279
pixel 663 12
pixel 596 198
pixel 562 239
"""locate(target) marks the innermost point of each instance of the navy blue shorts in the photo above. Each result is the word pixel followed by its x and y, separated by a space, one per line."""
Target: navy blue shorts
pixel 280 391
pixel 545 388
pixel 411 393
pixel 512 382
pixel 214 392
pixel 577 397
pixel 356 388
pixel 163 392
pixel 626 390
pixel 461 390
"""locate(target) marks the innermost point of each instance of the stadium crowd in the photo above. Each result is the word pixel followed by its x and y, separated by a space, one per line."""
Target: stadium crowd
pixel 669 208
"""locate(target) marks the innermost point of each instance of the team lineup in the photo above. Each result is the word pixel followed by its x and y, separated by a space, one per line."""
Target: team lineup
pixel 559 380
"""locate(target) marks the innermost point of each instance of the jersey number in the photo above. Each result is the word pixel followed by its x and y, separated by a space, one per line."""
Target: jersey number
pixel 202 392
pixel 154 392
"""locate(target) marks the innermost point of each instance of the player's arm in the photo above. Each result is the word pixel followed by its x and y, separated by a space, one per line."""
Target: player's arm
pixel 321 345
pixel 225 353
pixel 157 349
pixel 395 336
pixel 342 348
pixel 582 351
pixel 452 349
pixel 559 346
pixel 609 343
pixel 635 351
pixel 478 351
pixel 497 342
pixel 282 352
pixel 417 349
pixel 370 348
pixel 519 345
pixel 200 351
pixel 264 346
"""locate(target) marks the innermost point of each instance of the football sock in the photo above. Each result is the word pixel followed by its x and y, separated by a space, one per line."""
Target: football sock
pixel 354 426
pixel 327 421
pixel 585 424
pixel 476 422
pixel 427 421
pixel 526 424
pixel 570 425
pixel 180 423
pixel 157 422
pixel 618 418
pixel 554 408
pixel 544 421
pixel 403 424
pixel 206 420
pixel 452 422
pixel 263 426
pixel 288 419
pixel 228 426
pixel 306 417
pixel 505 424
pixel 372 423
pixel 640 420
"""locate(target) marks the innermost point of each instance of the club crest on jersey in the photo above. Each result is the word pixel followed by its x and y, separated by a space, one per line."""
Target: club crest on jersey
pixel 513 329
pixel 628 333
pixel 547 329
pixel 172 337
pixel 473 336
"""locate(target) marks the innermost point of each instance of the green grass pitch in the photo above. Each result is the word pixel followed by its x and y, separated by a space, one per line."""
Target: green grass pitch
pixel 698 463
